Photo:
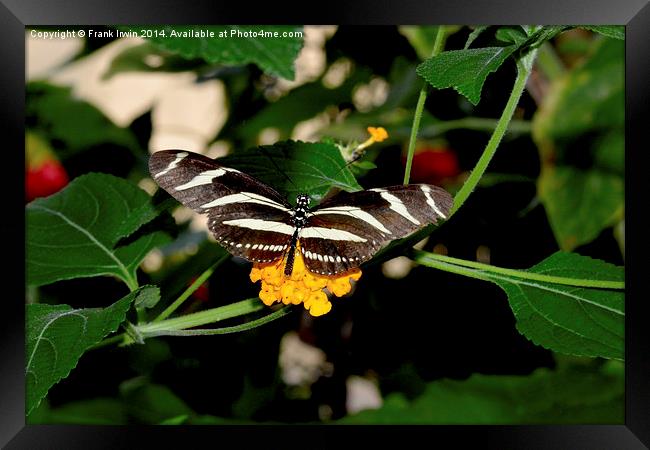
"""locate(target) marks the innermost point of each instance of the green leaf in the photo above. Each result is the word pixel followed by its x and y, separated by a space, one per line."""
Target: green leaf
pixel 537 35
pixel 178 420
pixel 583 118
pixel 568 303
pixel 75 232
pixel 153 403
pixel 464 70
pixel 609 152
pixel 567 319
pixel 612 31
pixel 476 32
pixel 96 411
pixel 233 44
pixel 543 397
pixel 589 98
pixel 580 203
pixel 365 165
pixel 58 335
pixel 73 123
pixel 294 167
pixel 148 296
pixel 511 35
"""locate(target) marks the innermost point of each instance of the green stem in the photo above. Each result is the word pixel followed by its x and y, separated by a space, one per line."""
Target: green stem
pixel 203 317
pixel 172 327
pixel 475 123
pixel 190 290
pixel 426 258
pixel 549 62
pixel 452 268
pixel 131 282
pixel 109 341
pixel 523 70
pixel 225 330
pixel 437 47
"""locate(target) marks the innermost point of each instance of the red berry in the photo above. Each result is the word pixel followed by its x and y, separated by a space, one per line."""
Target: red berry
pixel 432 165
pixel 46 179
pixel 202 293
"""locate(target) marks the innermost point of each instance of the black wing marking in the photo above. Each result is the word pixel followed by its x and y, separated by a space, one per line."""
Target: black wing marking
pixel 249 218
pixel 349 228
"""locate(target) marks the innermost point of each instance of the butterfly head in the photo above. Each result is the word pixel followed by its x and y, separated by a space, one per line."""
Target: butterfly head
pixel 302 201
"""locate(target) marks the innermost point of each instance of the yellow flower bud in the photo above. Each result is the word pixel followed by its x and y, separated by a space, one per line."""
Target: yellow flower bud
pixel 339 286
pixel 377 134
pixel 256 274
pixel 268 295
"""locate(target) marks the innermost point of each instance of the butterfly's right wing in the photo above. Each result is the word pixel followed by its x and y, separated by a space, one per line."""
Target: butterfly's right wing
pixel 249 218
pixel 349 228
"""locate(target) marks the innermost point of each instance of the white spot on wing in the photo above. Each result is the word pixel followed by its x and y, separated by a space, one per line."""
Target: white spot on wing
pixel 173 164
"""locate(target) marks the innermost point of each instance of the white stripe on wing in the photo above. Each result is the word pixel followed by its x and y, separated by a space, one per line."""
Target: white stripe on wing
pixel 261 225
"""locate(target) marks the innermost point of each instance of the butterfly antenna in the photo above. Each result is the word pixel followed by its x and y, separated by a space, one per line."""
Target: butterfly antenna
pixel 355 156
pixel 278 167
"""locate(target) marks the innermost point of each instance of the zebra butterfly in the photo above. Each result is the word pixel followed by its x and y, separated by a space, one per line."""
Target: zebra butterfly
pixel 252 220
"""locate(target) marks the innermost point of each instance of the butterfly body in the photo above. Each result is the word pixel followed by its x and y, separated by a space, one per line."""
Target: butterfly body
pixel 252 220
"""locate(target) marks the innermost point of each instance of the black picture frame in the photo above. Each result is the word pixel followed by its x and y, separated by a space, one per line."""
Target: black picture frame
pixel 16 14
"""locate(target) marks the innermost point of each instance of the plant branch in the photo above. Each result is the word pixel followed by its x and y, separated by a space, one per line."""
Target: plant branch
pixel 190 290
pixel 474 123
pixel 131 282
pixel 203 317
pixel 437 47
pixel 431 259
pixel 549 63
pixel 173 327
pixel 225 330
pixel 109 341
pixel 523 71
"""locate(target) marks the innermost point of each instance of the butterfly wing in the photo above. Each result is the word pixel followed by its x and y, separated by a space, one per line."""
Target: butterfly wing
pixel 349 228
pixel 249 218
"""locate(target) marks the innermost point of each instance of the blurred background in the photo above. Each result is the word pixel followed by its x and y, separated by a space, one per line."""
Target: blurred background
pixel 410 344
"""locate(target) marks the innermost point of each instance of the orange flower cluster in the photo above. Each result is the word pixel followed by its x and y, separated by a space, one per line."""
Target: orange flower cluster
pixel 302 286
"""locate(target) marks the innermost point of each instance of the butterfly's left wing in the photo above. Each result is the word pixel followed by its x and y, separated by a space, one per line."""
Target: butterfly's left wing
pixel 248 218
pixel 349 228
